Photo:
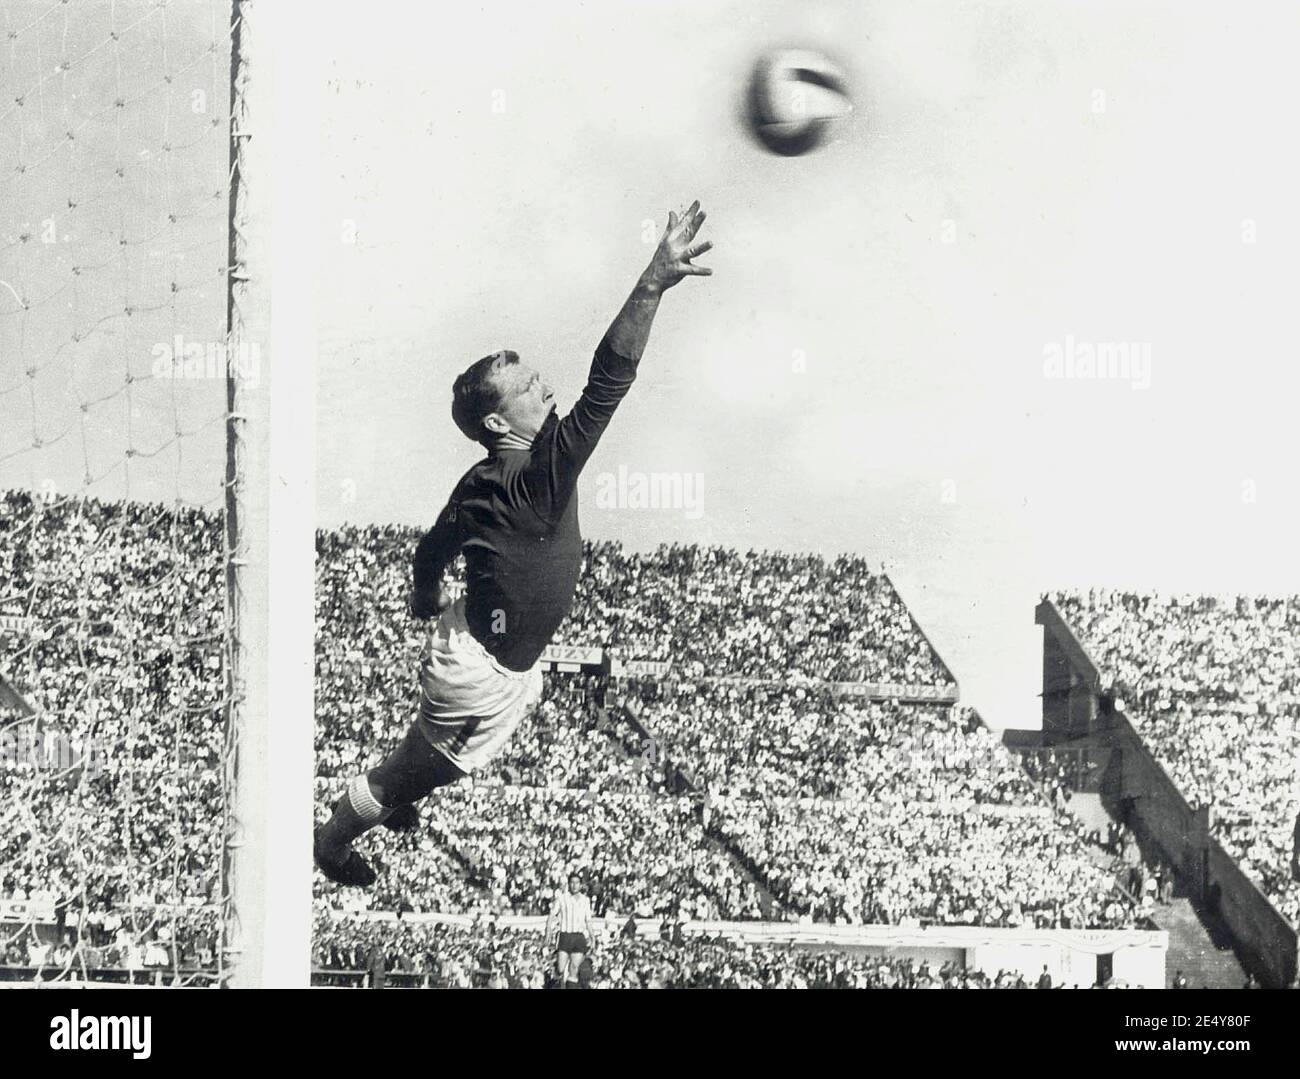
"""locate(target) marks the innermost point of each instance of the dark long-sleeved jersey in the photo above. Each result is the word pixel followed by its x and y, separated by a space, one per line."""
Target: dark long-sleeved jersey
pixel 514 517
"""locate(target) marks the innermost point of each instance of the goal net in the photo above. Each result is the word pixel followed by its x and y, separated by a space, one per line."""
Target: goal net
pixel 120 383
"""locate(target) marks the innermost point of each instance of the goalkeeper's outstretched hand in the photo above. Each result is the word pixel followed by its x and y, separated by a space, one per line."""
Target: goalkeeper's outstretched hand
pixel 677 246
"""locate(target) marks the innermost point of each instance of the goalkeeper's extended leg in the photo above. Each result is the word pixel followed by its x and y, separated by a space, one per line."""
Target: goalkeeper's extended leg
pixel 382 796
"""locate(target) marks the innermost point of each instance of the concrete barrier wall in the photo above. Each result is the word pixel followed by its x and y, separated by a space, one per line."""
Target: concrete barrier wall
pixel 1141 793
pixel 1260 929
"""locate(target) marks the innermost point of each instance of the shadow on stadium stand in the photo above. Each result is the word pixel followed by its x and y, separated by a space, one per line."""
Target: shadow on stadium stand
pixel 1138 792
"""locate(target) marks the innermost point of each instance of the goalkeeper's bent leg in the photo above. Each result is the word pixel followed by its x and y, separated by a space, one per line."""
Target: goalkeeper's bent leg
pixel 407 774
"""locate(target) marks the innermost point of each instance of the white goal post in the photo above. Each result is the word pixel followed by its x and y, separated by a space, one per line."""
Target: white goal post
pixel 271 539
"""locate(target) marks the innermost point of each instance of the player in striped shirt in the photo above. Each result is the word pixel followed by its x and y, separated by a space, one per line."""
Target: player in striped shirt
pixel 515 519
pixel 570 928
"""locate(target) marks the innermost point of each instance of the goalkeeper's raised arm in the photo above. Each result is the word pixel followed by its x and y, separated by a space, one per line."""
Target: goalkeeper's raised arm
pixel 628 333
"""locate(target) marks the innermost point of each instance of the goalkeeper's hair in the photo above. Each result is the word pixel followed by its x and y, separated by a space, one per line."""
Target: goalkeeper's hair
pixel 475 395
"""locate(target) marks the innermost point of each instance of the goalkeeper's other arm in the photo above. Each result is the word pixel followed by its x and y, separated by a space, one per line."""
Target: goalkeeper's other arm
pixel 437 549
pixel 429 603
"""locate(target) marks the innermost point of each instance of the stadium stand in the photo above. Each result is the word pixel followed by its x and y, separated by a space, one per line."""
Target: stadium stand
pixel 713 611
pixel 109 790
pixel 806 741
pixel 759 614
pixel 701 793
pixel 1210 684
pixel 724 789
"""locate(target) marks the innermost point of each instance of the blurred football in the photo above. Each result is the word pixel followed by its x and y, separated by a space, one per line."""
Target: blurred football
pixel 794 97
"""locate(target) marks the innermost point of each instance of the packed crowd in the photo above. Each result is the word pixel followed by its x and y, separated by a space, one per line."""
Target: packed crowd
pixel 1211 685
pixel 673 799
pixel 178 941
pixel 714 610
pixel 1153 647
pixel 709 610
pixel 570 741
pixel 575 778
pixel 636 783
pixel 807 741
pixel 893 860
pixel 883 781
pixel 509 849
pixel 111 792
pixel 350 950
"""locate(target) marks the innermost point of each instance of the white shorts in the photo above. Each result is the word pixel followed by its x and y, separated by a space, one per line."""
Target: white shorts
pixel 470 704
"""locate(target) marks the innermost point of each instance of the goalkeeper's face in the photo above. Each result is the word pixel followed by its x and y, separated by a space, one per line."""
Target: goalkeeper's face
pixel 526 399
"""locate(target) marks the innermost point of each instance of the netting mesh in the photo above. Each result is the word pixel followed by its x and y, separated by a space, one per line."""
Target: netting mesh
pixel 114 641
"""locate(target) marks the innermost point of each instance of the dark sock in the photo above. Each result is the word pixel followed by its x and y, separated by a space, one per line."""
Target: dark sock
pixel 354 815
